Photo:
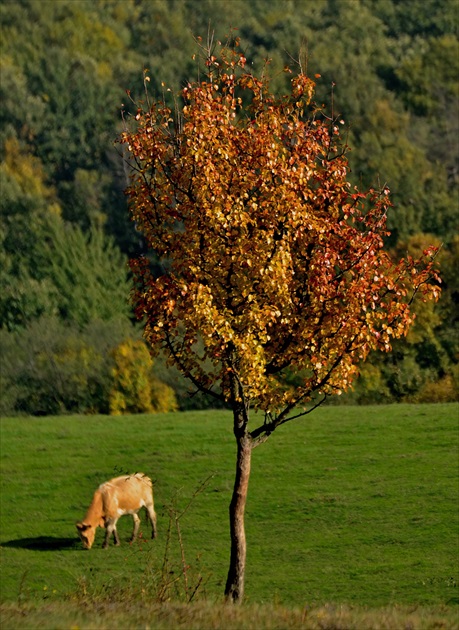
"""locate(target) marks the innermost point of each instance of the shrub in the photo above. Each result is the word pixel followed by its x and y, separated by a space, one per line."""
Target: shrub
pixel 444 390
pixel 134 388
pixel 49 369
pixel 53 368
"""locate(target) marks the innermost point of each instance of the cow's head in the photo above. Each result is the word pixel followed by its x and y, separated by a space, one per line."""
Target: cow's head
pixel 87 534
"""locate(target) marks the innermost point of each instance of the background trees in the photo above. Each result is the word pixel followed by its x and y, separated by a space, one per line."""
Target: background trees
pixel 66 66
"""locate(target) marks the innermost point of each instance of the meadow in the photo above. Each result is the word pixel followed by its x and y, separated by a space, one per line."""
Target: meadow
pixel 350 509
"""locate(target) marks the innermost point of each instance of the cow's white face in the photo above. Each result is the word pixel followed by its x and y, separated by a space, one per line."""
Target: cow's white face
pixel 87 534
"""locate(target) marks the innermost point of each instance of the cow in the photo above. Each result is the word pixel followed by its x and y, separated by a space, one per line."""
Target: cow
pixel 122 495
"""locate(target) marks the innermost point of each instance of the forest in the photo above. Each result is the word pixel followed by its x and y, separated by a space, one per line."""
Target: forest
pixel 71 71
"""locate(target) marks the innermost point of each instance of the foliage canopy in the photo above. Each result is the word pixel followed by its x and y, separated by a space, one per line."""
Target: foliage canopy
pixel 274 261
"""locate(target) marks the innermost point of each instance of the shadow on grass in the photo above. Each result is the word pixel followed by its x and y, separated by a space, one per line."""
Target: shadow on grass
pixel 44 543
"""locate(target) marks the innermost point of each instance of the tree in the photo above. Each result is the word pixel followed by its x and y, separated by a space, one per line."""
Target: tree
pixel 272 263
pixel 89 272
pixel 28 205
pixel 51 267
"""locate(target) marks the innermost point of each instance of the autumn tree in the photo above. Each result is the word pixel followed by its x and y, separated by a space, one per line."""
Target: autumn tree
pixel 273 265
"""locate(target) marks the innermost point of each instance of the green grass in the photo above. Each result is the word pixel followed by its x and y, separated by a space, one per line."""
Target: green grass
pixel 352 505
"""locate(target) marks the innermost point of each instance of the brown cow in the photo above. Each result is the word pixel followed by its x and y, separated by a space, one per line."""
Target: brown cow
pixel 122 495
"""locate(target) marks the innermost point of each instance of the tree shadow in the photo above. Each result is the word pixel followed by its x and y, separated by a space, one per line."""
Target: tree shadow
pixel 44 543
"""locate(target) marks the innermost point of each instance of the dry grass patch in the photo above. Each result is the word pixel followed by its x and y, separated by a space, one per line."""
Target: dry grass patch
pixel 208 616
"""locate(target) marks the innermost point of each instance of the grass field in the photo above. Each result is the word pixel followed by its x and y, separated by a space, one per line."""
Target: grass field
pixel 352 506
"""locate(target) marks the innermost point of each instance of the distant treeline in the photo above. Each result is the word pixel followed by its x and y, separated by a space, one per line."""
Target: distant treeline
pixel 69 72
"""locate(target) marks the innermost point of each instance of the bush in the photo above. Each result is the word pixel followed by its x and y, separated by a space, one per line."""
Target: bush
pixel 444 390
pixel 55 368
pixel 135 389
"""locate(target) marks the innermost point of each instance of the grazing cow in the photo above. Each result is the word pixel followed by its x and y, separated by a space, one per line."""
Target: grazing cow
pixel 122 495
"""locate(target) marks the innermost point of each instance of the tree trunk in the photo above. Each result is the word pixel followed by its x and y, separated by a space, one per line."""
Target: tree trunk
pixel 234 591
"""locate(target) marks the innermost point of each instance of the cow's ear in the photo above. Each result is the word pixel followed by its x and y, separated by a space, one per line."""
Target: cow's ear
pixel 82 527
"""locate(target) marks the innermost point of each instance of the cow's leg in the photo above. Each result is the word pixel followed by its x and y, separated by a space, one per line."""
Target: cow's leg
pixel 115 536
pixel 152 518
pixel 106 538
pixel 136 526
pixel 110 528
